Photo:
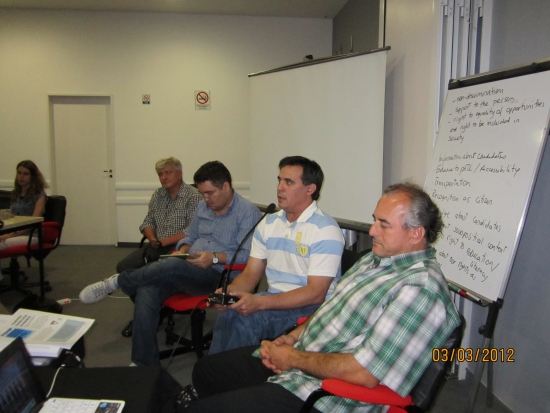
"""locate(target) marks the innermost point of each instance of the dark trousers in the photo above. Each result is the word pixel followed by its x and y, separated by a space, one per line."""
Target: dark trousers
pixel 235 381
pixel 136 258
pixel 140 257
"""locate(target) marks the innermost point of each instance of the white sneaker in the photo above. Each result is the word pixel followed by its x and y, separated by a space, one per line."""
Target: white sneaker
pixel 98 291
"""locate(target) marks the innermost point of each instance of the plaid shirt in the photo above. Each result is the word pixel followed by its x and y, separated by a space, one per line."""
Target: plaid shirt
pixel 171 216
pixel 389 313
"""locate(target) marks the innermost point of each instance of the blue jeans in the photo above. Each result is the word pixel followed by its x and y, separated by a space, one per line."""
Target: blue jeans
pixel 233 330
pixel 152 284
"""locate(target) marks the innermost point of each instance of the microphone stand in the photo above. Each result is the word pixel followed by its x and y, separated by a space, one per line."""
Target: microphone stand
pixel 223 298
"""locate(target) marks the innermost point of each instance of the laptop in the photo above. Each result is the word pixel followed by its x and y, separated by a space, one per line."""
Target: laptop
pixel 22 392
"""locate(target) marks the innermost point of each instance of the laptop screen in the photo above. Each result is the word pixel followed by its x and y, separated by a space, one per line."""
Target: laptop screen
pixel 20 392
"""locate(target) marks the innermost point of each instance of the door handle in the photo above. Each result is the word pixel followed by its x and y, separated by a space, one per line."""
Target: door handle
pixel 108 170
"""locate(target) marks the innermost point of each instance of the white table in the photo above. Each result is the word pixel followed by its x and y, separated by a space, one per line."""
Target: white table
pixel 16 223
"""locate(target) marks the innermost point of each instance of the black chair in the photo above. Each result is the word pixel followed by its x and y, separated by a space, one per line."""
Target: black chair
pixel 420 398
pixel 350 257
pixel 54 219
pixel 5 201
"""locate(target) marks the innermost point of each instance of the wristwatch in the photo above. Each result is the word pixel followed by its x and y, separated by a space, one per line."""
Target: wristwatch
pixel 215 259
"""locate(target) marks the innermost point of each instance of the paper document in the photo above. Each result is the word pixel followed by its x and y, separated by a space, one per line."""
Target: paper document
pixel 45 334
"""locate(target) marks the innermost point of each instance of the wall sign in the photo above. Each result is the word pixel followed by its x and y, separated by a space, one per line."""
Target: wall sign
pixel 202 99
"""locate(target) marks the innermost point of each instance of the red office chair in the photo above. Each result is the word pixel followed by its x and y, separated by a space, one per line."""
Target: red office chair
pixel 186 304
pixel 54 219
pixel 418 401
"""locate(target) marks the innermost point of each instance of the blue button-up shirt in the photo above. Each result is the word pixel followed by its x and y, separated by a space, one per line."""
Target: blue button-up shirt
pixel 222 233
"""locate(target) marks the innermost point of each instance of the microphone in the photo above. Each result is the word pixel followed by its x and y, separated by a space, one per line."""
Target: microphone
pixel 223 298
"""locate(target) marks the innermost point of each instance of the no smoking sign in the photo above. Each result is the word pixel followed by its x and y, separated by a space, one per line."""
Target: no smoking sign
pixel 202 99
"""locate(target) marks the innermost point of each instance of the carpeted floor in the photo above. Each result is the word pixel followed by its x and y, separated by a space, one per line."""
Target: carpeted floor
pixel 70 268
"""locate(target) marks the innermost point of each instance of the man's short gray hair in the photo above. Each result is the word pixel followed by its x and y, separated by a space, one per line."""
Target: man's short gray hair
pixel 171 161
pixel 422 212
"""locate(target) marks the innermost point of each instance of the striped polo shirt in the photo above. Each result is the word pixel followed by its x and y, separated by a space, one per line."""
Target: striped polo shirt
pixel 311 245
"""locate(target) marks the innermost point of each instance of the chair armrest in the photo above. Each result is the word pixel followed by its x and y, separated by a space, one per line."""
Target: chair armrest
pixel 235 267
pixel 31 232
pixel 302 320
pixel 377 395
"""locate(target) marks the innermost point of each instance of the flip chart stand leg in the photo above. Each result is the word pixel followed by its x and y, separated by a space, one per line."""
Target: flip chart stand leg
pixel 487 331
pixel 490 395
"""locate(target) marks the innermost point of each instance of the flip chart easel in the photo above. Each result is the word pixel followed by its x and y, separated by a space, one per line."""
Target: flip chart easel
pixel 492 135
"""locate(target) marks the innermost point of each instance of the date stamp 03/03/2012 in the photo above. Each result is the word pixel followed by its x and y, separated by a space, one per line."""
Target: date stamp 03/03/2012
pixel 485 355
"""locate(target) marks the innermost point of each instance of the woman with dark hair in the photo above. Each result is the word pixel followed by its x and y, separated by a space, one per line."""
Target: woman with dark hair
pixel 28 199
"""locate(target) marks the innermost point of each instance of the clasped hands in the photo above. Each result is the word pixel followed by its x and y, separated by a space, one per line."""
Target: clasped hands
pixel 277 355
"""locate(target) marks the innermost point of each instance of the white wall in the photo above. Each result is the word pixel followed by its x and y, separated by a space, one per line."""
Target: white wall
pixel 411 89
pixel 357 25
pixel 521 32
pixel 168 56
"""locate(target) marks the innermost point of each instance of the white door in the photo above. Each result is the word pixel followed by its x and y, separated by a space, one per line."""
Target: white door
pixel 82 158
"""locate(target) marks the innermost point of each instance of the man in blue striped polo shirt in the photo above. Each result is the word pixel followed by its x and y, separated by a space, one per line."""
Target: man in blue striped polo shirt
pixel 299 248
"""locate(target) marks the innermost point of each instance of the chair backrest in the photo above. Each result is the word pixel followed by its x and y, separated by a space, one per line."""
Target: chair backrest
pixel 349 258
pixel 424 392
pixel 4 199
pixel 54 219
pixel 56 206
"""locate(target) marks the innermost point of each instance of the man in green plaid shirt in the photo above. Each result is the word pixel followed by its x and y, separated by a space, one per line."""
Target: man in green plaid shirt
pixel 379 326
